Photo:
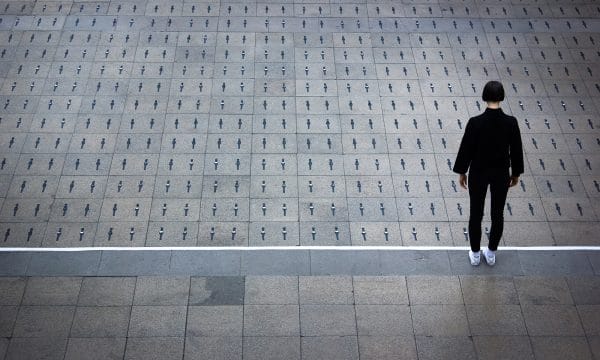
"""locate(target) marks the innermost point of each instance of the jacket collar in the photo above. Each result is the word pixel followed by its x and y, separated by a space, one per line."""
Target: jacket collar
pixel 498 110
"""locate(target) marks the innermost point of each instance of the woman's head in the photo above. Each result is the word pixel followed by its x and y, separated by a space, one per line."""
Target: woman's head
pixel 493 91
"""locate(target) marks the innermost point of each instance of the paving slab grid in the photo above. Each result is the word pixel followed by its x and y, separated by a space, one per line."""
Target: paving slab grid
pixel 278 175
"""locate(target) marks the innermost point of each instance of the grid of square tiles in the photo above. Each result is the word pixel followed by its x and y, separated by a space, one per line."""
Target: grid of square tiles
pixel 300 317
pixel 150 123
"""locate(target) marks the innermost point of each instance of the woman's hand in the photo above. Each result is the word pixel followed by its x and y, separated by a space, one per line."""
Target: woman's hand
pixel 462 180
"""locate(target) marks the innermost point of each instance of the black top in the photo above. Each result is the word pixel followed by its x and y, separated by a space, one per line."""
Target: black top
pixel 492 140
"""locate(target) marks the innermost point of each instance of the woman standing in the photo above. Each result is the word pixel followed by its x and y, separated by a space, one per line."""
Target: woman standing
pixel 492 152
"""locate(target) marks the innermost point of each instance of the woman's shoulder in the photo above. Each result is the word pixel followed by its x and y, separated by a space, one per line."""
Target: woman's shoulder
pixel 508 117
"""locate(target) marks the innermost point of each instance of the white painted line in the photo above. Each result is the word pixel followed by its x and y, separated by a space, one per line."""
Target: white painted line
pixel 298 248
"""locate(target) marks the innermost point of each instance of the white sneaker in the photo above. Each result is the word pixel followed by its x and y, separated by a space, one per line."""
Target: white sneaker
pixel 475 257
pixel 490 256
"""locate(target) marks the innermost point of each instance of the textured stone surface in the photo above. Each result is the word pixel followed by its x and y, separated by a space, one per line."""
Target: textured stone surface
pixel 505 326
pixel 216 123
pixel 208 123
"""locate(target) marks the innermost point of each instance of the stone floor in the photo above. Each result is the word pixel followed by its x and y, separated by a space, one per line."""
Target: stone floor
pixel 340 305
pixel 142 124
pixel 264 123
pixel 306 317
pixel 296 262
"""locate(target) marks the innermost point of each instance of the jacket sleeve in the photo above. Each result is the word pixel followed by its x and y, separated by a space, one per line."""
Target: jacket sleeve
pixel 516 151
pixel 465 151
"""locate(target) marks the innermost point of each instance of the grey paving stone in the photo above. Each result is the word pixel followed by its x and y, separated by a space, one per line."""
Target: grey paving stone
pixel 271 290
pixel 65 264
pixel 273 262
pixel 107 291
pixel 484 290
pixel 326 262
pixel 325 290
pixel 8 315
pixel 11 290
pixel 159 321
pixel 435 347
pixel 560 348
pixel 327 320
pixel 3 346
pixel 414 263
pixel 155 348
pixel 434 290
pixel 14 264
pixel 44 321
pixel 380 290
pixel 52 291
pixel 217 290
pixel 95 348
pixel 161 290
pixel 563 231
pixel 383 320
pixel 595 261
pixel 503 347
pixel 229 347
pixel 584 289
pixel 271 347
pixel 542 290
pixel 387 347
pixel 329 347
pixel 496 320
pixel 589 319
pixel 440 320
pixel 212 263
pixel 271 320
pixel 552 320
pixel 36 348
pixel 226 320
pixel 134 263
pixel 555 263
pixel 100 322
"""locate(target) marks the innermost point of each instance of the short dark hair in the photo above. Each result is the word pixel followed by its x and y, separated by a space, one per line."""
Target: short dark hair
pixel 493 91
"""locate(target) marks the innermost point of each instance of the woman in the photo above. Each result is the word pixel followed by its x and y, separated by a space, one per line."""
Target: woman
pixel 492 152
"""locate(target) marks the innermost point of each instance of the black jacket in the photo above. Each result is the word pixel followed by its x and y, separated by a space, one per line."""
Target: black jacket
pixel 491 141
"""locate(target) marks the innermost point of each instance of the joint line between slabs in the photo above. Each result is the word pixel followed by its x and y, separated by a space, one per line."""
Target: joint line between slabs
pixel 296 248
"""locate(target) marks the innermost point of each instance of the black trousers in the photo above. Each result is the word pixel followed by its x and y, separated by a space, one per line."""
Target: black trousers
pixel 498 182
